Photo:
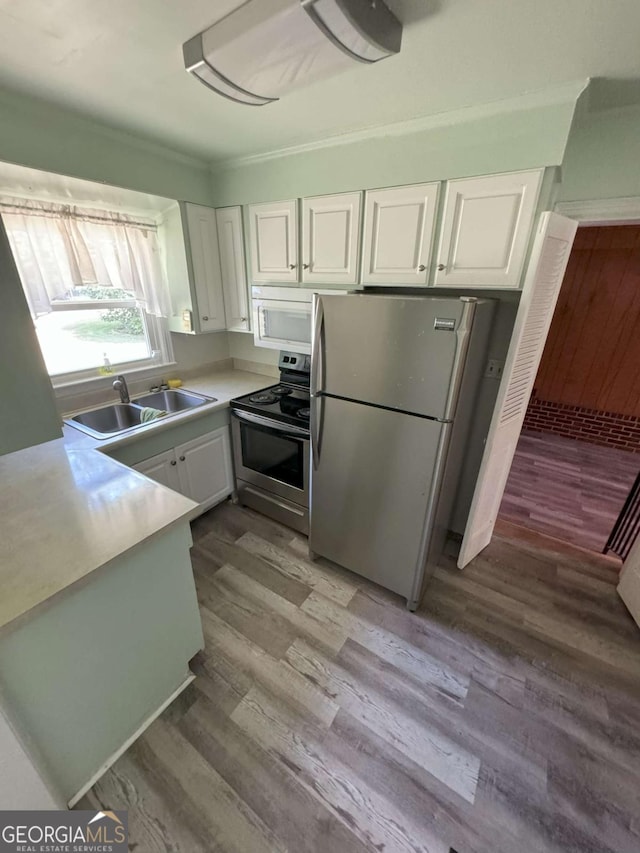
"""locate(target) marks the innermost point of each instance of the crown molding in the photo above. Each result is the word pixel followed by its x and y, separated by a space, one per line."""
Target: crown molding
pixel 601 211
pixel 568 93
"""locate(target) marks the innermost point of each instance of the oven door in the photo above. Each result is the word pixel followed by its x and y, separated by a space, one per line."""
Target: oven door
pixel 272 455
pixel 281 324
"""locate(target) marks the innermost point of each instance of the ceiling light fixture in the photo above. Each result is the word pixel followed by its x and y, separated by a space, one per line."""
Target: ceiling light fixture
pixel 266 48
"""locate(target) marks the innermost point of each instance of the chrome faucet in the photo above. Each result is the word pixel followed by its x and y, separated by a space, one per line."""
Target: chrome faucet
pixel 120 385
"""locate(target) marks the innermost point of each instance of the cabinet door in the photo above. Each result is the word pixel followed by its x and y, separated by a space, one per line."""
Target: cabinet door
pixel 331 238
pixel 398 234
pixel 273 237
pixel 485 230
pixel 204 467
pixel 203 259
pixel 162 468
pixel 234 276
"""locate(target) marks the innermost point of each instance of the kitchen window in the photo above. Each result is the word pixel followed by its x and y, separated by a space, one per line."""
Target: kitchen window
pixel 95 286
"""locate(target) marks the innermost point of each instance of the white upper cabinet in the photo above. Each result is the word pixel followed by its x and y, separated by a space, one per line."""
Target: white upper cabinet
pixel 331 238
pixel 486 227
pixel 273 237
pixel 203 261
pixel 234 276
pixel 398 234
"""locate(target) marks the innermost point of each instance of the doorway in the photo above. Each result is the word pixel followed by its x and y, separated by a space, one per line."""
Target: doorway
pixel 579 451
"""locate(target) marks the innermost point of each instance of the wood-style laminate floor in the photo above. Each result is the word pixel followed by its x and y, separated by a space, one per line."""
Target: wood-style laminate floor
pixel 502 717
pixel 568 489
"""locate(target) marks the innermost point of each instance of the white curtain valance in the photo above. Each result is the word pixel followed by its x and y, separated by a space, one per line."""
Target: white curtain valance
pixel 59 247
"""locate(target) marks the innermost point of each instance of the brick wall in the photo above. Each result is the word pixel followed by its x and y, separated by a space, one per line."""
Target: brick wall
pixel 605 428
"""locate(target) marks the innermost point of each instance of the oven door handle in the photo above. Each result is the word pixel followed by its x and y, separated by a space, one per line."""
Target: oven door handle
pixel 294 432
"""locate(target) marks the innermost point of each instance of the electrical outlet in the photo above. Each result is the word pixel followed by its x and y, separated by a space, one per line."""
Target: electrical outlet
pixel 494 368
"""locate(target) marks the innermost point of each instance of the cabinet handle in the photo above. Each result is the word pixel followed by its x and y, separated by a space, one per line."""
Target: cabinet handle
pixel 243 319
pixel 292 266
pixel 421 268
pixel 441 267
pixel 305 266
pixel 182 458
pixel 173 462
pixel 205 319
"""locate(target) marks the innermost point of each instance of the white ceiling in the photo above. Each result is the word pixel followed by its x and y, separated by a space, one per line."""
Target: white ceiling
pixel 120 61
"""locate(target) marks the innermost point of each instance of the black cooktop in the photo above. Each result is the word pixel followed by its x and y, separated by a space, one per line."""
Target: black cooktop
pixel 281 402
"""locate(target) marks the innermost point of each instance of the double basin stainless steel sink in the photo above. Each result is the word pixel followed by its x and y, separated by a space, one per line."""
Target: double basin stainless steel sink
pixel 121 417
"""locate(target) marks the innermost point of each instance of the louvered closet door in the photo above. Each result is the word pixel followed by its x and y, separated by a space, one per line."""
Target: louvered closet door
pixel 548 262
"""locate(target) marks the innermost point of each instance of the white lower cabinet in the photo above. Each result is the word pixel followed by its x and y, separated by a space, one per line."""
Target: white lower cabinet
pixel 162 468
pixel 204 467
pixel 200 469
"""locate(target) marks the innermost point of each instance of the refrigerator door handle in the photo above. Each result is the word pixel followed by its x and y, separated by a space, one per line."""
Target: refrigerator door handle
pixel 463 335
pixel 317 414
pixel 317 350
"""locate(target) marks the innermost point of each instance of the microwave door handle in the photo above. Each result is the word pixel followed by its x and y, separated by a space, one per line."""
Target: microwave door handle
pixel 295 432
pixel 317 349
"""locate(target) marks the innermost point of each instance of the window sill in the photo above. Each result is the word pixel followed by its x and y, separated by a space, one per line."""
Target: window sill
pixel 64 389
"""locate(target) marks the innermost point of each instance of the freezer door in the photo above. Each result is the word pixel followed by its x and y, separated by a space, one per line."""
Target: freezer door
pixel 401 352
pixel 371 489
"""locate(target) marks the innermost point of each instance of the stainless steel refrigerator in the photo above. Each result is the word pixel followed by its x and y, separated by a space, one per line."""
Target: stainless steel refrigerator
pixel 394 380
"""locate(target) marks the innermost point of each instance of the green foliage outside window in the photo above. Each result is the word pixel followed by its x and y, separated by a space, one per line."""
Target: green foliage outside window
pixel 114 324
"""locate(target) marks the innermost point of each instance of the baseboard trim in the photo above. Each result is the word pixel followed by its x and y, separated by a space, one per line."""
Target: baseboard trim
pixel 125 746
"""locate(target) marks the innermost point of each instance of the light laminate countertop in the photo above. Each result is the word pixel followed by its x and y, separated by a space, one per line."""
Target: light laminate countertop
pixel 67 510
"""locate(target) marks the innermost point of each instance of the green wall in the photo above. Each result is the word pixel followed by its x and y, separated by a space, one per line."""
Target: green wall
pixel 603 156
pixel 83 673
pixel 43 136
pixel 27 413
pixel 461 145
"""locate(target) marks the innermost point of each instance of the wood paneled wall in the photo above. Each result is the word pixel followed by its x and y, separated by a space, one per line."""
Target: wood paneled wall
pixel 592 355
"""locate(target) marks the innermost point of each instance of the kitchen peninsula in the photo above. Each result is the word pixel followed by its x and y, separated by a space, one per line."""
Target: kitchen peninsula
pixel 98 613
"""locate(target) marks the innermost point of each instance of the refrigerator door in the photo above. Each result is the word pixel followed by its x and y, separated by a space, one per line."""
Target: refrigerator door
pixel 402 352
pixel 373 486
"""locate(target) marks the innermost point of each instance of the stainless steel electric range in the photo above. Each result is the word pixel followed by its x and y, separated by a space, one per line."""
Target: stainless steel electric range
pixel 270 433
